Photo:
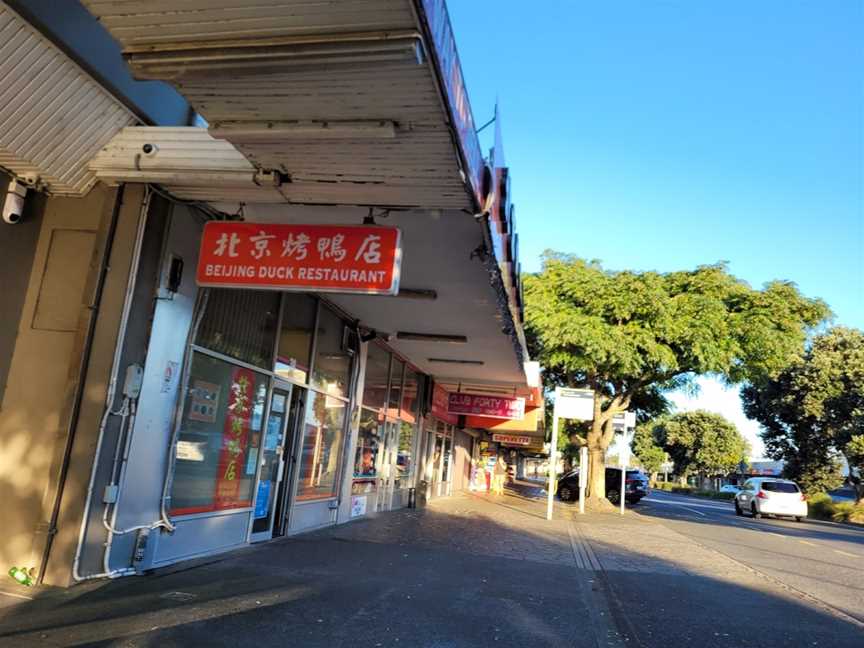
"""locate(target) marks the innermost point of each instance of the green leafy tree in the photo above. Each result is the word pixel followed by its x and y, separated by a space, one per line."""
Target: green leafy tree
pixel 854 451
pixel 650 455
pixel 699 442
pixel 624 334
pixel 814 408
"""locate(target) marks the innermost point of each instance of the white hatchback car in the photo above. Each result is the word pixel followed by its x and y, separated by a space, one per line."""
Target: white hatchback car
pixel 771 496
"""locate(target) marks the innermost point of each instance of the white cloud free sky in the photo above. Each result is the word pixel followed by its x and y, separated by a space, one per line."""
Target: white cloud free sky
pixel 714 396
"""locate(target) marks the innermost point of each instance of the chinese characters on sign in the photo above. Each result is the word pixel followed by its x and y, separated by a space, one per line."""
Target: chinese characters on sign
pixel 324 258
pixel 235 439
pixel 501 407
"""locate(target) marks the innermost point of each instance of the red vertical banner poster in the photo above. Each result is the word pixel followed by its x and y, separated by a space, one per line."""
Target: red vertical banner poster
pixel 235 439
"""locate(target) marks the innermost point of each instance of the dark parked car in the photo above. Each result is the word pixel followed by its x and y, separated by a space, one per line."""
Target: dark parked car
pixel 635 485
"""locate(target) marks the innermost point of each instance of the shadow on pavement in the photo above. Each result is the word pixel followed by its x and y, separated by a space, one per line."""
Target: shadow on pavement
pixel 465 571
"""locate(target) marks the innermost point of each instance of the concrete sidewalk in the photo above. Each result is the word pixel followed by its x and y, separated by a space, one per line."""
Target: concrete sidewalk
pixel 470 570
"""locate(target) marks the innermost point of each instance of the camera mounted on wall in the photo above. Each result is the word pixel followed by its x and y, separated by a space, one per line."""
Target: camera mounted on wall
pixel 16 194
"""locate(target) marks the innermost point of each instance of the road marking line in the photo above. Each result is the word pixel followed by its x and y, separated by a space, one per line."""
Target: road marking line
pixel 687 508
pixel 846 553
pixel 719 507
pixel 809 544
pixel 776 534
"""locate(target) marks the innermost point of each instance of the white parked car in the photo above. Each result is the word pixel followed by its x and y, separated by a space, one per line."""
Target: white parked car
pixel 771 496
pixel 729 488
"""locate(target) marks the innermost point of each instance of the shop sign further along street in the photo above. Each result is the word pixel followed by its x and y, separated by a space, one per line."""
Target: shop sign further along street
pixel 322 258
pixel 502 407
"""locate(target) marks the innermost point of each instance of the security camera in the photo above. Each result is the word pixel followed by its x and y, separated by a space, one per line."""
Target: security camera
pixel 13 205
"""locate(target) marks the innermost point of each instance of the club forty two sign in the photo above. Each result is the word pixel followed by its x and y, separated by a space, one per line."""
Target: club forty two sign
pixel 322 258
pixel 502 407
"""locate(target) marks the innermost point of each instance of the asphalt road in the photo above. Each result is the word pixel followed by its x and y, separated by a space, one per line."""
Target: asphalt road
pixel 825 561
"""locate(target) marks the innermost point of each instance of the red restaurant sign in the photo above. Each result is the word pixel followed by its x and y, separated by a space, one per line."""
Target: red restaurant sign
pixel 321 258
pixel 439 405
pixel 501 407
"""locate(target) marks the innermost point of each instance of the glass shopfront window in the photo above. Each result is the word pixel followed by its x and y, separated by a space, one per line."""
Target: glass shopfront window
pixel 321 449
pixel 394 399
pixel 377 373
pixel 447 458
pixel 295 337
pixel 405 456
pixel 219 438
pixel 332 367
pixel 240 324
pixel 410 396
pixel 368 445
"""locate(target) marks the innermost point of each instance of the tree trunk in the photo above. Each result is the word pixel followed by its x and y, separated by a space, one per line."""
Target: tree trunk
pixel 596 496
pixel 599 437
pixel 596 478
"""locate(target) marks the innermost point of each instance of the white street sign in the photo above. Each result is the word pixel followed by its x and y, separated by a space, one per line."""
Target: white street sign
pixel 574 403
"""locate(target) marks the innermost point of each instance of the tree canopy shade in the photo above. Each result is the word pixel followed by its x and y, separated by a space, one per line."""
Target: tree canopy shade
pixel 814 408
pixel 699 442
pixel 625 333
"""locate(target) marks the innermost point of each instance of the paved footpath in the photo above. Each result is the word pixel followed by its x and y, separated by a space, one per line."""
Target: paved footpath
pixel 470 570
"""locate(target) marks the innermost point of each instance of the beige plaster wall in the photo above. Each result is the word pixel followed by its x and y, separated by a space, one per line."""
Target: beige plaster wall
pixel 45 368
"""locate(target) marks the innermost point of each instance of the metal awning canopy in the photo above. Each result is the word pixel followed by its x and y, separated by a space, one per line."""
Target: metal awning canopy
pixel 53 115
pixel 329 104
pixel 339 102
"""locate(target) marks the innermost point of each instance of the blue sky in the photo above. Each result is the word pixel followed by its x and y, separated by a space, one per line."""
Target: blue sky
pixel 667 134
pixel 663 135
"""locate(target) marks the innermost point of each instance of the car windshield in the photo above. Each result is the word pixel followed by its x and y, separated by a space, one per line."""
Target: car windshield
pixel 779 487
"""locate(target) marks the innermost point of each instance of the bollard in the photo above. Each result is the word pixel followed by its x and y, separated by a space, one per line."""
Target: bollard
pixel 412 498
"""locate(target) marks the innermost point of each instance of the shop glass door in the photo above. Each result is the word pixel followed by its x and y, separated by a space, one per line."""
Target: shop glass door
pixel 272 463
pixel 437 458
pixel 446 468
pixel 387 465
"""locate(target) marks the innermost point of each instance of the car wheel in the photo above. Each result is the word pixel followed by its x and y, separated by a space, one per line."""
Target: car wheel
pixel 738 510
pixel 756 514
pixel 798 518
pixel 565 494
pixel 613 496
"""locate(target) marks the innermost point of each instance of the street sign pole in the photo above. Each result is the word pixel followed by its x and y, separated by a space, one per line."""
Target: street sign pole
pixel 623 477
pixel 583 477
pixel 624 454
pixel 553 464
pixel 573 404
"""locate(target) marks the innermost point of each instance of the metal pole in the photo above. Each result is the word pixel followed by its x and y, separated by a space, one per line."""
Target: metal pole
pixel 583 477
pixel 623 476
pixel 553 464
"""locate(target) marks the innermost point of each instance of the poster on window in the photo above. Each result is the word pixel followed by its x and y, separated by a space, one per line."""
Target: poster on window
pixel 205 401
pixel 324 258
pixel 235 439
pixel 358 505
